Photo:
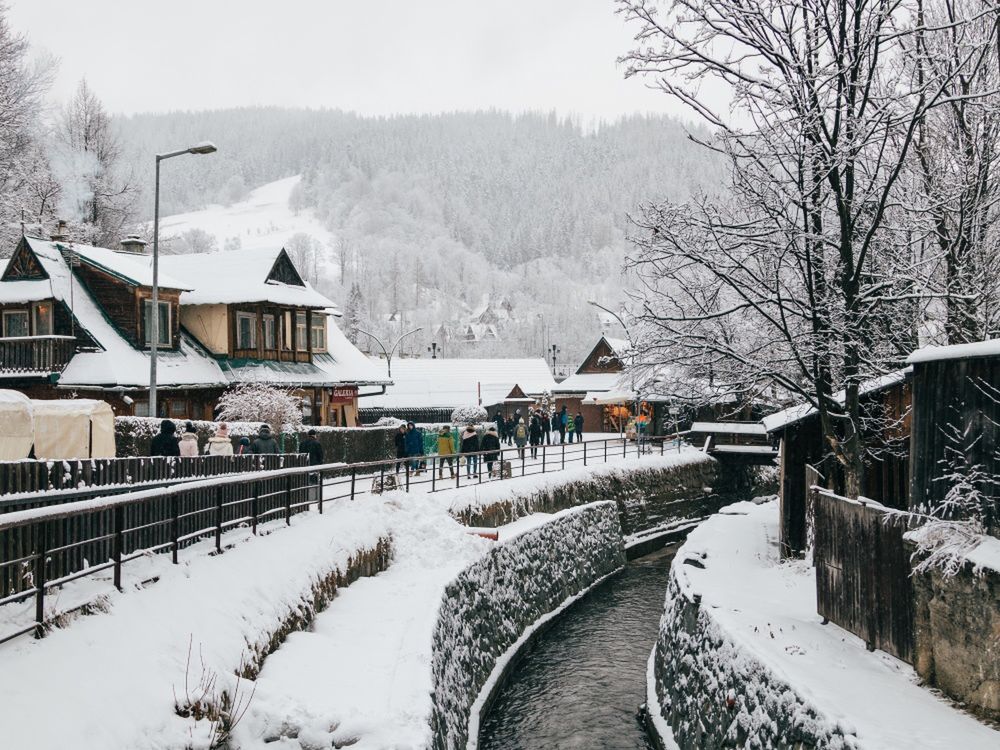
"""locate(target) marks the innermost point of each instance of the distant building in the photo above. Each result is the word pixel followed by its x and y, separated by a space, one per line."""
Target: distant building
pixel 77 318
pixel 594 389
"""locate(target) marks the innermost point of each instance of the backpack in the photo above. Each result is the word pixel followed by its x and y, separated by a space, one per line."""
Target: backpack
pixel 520 433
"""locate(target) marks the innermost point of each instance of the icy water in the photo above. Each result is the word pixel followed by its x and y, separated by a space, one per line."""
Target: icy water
pixel 581 684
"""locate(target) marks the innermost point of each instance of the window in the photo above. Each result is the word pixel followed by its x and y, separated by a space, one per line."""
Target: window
pixel 178 408
pixel 43 318
pixel 15 323
pixel 142 409
pixel 288 331
pixel 319 333
pixel 269 338
pixel 301 343
pixel 246 330
pixel 163 333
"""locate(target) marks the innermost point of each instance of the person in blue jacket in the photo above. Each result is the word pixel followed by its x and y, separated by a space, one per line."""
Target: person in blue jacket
pixel 414 440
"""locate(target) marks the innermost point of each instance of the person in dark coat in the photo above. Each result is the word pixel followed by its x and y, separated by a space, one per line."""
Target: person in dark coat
pixel 578 425
pixel 264 442
pixel 535 434
pixel 165 442
pixel 313 447
pixel 490 442
pixel 561 418
pixel 400 441
pixel 501 425
pixel 414 440
pixel 546 425
pixel 470 444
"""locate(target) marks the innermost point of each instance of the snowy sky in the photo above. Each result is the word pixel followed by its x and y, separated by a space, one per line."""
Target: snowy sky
pixel 393 56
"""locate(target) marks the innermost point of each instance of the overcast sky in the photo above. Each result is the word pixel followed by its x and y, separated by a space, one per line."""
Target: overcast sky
pixel 383 57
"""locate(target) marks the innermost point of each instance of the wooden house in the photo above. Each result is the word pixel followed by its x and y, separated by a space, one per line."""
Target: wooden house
pixel 594 389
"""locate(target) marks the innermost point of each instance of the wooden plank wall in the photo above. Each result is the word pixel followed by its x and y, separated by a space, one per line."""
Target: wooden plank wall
pixel 863 579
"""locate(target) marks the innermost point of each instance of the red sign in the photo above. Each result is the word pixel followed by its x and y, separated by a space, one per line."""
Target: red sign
pixel 343 395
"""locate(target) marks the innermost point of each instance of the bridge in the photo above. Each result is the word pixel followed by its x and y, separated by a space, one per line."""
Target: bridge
pixel 744 443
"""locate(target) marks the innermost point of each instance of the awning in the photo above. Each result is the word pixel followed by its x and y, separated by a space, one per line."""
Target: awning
pixel 608 397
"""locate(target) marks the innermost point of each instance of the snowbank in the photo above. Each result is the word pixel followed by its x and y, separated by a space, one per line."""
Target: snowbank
pixel 116 677
pixel 487 610
pixel 743 660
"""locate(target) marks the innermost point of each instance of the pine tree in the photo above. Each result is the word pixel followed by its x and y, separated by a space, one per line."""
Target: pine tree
pixel 355 306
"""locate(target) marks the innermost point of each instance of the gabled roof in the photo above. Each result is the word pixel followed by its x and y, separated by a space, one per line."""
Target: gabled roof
pixel 247 276
pixel 130 268
pixel 449 383
pixel 605 347
pixel 586 382
pixel 989 348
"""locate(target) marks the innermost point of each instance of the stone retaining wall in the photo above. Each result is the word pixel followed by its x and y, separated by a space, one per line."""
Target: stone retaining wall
pixel 488 607
pixel 646 496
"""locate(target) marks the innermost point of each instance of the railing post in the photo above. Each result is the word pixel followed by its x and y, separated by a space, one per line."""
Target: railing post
pixel 605 451
pixel 118 543
pixel 625 446
pixel 661 446
pixel 218 518
pixel 354 479
pixel 174 528
pixel 584 454
pixel 381 479
pixel 255 505
pixel 407 467
pixel 39 576
pixel 543 458
pixel 288 501
pixel 563 457
pixel 434 466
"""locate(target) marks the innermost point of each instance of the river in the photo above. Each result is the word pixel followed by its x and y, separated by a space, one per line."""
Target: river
pixel 580 685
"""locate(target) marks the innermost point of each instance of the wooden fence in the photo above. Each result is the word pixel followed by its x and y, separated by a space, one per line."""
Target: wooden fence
pixel 59 474
pixel 863 579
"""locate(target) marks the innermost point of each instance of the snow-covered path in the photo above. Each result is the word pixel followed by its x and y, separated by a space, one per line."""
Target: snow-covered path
pixel 768 608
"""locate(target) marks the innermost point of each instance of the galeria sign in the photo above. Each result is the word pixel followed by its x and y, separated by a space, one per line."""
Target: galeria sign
pixel 343 395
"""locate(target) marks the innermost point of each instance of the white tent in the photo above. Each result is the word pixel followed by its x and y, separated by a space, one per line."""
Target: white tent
pixel 74 428
pixel 16 426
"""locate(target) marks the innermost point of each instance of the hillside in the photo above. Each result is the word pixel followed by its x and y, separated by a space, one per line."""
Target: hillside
pixel 445 219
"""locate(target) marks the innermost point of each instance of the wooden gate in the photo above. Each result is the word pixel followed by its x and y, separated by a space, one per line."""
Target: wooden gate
pixel 863 569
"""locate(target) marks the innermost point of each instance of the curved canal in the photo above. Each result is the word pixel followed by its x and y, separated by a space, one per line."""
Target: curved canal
pixel 580 686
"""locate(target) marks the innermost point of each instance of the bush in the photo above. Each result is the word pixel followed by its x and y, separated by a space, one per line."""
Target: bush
pixel 469 415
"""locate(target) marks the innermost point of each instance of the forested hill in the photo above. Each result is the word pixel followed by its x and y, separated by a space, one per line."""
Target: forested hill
pixel 432 213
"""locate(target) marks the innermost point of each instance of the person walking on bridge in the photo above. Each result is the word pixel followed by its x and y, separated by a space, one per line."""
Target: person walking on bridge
pixel 470 445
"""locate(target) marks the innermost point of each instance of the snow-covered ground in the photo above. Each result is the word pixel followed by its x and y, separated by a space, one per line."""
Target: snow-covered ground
pixel 263 220
pixel 768 608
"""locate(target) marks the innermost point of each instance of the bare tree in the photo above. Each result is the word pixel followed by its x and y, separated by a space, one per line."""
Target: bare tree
pixel 798 277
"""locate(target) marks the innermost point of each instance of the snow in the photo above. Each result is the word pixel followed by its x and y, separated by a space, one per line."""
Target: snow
pixel 589 383
pixel 655 712
pixel 990 348
pixel 238 276
pixel 986 554
pixel 768 608
pixel 113 675
pixel 730 428
pixel 263 220
pixel 448 383
pixel 135 268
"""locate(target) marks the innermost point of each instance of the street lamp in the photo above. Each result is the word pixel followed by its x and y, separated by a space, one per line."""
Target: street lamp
pixel 433 349
pixel 388 353
pixel 555 351
pixel 205 147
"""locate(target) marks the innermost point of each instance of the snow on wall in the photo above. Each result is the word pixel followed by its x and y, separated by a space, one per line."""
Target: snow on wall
pixel 488 607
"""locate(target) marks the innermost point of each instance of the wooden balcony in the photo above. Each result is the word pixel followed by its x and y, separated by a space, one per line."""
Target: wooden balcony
pixel 35 355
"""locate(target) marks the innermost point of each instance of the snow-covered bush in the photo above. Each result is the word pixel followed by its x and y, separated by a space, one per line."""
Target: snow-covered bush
pixel 251 401
pixel 390 422
pixel 469 415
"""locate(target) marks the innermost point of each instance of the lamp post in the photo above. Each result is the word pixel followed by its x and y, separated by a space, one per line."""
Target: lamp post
pixel 205 147
pixel 433 349
pixel 632 350
pixel 555 351
pixel 388 353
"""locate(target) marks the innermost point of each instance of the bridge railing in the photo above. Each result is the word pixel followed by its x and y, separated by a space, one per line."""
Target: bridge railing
pixel 75 534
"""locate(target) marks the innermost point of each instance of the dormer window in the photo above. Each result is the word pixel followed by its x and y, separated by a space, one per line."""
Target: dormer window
pixel 163 333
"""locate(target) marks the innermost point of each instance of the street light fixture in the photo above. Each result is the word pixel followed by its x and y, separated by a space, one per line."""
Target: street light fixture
pixel 388 353
pixel 205 147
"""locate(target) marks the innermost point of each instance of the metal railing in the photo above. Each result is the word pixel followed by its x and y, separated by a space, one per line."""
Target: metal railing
pixel 36 354
pixel 42 548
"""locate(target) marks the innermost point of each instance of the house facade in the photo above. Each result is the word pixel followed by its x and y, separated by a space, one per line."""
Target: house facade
pixel 594 389
pixel 77 319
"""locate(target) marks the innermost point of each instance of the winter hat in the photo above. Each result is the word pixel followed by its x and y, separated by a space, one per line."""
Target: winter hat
pixel 189 426
pixel 265 429
pixel 223 430
pixel 445 430
pixel 311 433
pixel 244 441
pixel 167 427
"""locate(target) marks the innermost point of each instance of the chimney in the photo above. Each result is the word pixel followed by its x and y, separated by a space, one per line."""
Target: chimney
pixel 61 234
pixel 133 244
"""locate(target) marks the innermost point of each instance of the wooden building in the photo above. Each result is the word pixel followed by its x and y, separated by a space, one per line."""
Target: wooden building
pixel 78 318
pixel 805 458
pixel 594 389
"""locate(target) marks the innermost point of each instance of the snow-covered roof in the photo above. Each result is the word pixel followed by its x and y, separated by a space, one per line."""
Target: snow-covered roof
pixel 730 428
pixel 448 383
pixel 589 381
pixel 797 413
pixel 619 346
pixel 990 348
pixel 132 268
pixel 234 276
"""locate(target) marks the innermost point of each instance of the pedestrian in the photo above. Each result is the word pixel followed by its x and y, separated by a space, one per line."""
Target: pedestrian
pixel 164 443
pixel 578 427
pixel 546 425
pixel 491 442
pixel 399 439
pixel 501 423
pixel 520 437
pixel 446 451
pixel 470 445
pixel 264 442
pixel 570 427
pixel 506 434
pixel 313 447
pixel 535 434
pixel 562 417
pixel 188 445
pixel 220 444
pixel 414 446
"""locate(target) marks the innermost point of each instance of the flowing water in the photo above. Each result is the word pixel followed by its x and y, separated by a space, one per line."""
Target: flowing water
pixel 580 685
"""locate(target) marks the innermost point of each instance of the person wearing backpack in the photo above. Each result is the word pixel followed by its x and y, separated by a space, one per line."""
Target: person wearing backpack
pixel 520 437
pixel 491 442
pixel 570 427
pixel 561 423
